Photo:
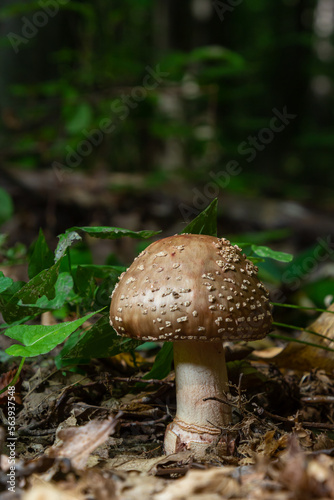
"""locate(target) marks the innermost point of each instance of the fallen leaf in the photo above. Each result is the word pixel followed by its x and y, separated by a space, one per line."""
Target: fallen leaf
pixel 304 476
pixel 269 353
pixel 210 484
pixel 132 463
pixel 77 443
pixel 139 486
pixel 51 492
pixel 272 447
pixel 305 357
pixel 5 379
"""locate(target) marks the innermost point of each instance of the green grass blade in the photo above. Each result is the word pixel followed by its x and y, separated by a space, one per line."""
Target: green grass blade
pixel 298 341
pixel 293 327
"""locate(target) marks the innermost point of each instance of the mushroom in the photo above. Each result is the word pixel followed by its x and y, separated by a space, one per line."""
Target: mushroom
pixel 196 291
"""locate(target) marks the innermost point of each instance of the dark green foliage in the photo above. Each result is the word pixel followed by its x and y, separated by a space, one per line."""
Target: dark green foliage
pixel 6 206
pixel 42 285
pixel 226 72
pixel 71 285
pixel 4 282
pixel 41 257
pixel 68 284
pixel 163 362
pixel 110 233
pixel 101 341
pixel 205 222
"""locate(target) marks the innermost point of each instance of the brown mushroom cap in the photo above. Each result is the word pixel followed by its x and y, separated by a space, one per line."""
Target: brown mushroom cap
pixel 191 287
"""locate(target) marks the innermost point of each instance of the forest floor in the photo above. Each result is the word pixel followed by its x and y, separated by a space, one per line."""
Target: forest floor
pixel 99 435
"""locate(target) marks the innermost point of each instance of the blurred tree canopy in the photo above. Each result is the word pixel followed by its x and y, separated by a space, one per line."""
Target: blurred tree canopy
pixel 165 88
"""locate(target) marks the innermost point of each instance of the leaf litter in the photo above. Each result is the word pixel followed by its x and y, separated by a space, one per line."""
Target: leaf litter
pixel 99 435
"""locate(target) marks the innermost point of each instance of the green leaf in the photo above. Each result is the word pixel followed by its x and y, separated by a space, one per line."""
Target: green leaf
pixel 63 287
pixel 101 271
pixel 215 53
pixel 113 233
pixel 40 339
pixel 163 362
pixel 8 293
pixel 147 346
pixel 5 282
pixel 80 119
pixel 6 206
pixel 42 284
pixel 41 257
pixel 65 241
pixel 104 232
pixel 101 341
pixel 85 282
pixel 299 341
pixel 260 237
pixel 60 361
pixel 205 222
pixel 273 254
pixel 14 323
pixel 87 278
pixel 302 308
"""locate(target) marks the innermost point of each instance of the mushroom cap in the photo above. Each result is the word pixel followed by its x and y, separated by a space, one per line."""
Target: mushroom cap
pixel 191 287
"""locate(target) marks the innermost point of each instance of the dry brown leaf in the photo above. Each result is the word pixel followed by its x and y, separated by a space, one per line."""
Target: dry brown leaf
pixel 267 353
pixel 139 487
pixel 271 447
pixel 180 458
pixel 5 379
pixel 133 463
pixel 305 437
pixel 304 357
pixel 295 475
pixel 215 483
pixel 51 492
pixel 77 443
pixel 306 477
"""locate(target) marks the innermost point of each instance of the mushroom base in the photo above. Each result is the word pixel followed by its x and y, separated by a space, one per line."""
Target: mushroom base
pixel 201 392
pixel 201 440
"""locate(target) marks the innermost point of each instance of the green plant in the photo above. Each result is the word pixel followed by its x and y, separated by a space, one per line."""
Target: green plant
pixel 66 283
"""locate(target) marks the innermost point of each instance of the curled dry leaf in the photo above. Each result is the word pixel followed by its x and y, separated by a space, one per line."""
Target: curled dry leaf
pixel 159 466
pixel 51 492
pixel 271 447
pixel 5 379
pixel 305 476
pixel 77 443
pixel 213 483
pixel 126 462
pixel 305 357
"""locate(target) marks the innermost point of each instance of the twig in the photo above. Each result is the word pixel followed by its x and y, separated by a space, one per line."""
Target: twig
pixel 318 399
pixel 309 425
pixel 36 432
pixel 142 380
pixel 179 470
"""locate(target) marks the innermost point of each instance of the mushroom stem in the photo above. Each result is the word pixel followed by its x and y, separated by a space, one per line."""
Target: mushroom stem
pixel 200 372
